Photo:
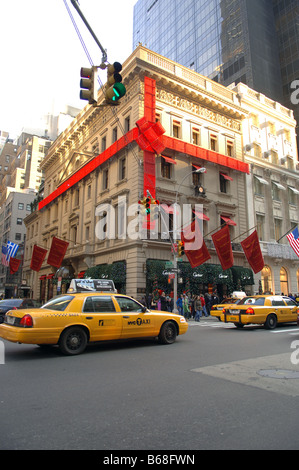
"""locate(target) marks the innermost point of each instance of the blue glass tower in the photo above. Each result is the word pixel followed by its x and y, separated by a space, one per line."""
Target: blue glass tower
pixel 251 41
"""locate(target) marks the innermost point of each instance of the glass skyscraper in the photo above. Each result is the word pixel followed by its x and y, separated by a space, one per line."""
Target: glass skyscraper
pixel 251 41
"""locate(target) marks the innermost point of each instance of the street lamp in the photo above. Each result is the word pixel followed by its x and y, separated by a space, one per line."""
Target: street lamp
pixel 175 264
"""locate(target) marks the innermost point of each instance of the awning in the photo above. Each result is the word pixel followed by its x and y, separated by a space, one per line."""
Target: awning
pixel 228 178
pixel 242 275
pixel 201 215
pixel 43 277
pixel 279 186
pixel 261 180
pixel 50 276
pixel 228 221
pixel 197 167
pixel 294 190
pixel 169 160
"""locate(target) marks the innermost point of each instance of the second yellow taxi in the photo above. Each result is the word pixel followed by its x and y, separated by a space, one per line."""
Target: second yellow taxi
pixel 91 311
pixel 267 310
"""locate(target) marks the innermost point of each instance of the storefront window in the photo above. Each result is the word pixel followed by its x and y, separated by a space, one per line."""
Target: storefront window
pixel 284 281
pixel 266 280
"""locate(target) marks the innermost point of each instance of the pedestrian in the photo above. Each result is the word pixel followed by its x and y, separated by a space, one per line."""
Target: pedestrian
pixel 203 304
pixel 186 309
pixel 169 302
pixel 179 304
pixel 149 301
pixel 163 302
pixel 192 306
pixel 197 308
pixel 208 302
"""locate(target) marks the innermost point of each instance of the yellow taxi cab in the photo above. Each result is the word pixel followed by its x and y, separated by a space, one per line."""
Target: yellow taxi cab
pixel 267 310
pixel 217 309
pixel 90 311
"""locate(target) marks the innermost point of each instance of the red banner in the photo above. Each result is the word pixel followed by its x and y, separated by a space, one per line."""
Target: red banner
pixel 253 252
pixel 195 247
pixel 57 252
pixel 14 265
pixel 222 243
pixel 38 256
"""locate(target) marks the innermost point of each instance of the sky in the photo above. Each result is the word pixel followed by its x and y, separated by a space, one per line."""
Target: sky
pixel 41 54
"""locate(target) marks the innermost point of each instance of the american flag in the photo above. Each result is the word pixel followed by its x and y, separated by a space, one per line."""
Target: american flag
pixel 293 238
pixel 4 259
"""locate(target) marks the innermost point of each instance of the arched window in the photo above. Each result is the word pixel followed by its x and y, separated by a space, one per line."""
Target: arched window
pixel 284 286
pixel 266 279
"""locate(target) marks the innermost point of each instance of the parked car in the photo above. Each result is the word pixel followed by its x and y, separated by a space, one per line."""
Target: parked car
pixel 13 304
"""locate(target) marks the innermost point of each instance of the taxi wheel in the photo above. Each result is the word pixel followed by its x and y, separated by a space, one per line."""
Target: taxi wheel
pixel 168 333
pixel 271 322
pixel 73 341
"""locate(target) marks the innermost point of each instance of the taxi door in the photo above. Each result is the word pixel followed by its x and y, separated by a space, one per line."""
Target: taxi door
pixel 135 322
pixel 291 309
pixel 102 318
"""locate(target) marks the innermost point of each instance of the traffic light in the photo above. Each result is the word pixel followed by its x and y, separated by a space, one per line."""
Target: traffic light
pixel 181 249
pixel 148 205
pixel 114 88
pixel 142 202
pixel 88 84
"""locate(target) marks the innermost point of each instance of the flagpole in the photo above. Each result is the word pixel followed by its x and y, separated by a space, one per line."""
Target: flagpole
pixel 289 231
pixel 243 233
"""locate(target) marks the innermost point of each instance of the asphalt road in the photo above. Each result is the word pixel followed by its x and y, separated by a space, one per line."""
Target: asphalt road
pixel 217 387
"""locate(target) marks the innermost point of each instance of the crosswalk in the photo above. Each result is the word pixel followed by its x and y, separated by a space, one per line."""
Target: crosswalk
pixel 211 324
pixel 290 329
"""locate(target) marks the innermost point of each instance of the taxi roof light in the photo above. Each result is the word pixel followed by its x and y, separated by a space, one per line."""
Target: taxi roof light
pixel 91 285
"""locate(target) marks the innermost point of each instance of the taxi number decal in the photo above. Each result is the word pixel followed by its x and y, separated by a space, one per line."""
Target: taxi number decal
pixel 106 322
pixel 139 322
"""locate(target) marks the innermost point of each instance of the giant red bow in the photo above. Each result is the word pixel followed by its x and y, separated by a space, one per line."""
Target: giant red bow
pixel 150 136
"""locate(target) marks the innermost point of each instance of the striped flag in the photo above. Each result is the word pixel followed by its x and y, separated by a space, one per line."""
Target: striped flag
pixel 293 238
pixel 4 259
pixel 12 249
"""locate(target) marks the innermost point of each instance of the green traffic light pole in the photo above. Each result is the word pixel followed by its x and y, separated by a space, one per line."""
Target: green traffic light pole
pixel 119 88
pixel 104 52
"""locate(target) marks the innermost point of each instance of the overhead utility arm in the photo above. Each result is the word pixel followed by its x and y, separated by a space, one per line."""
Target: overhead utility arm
pixel 75 5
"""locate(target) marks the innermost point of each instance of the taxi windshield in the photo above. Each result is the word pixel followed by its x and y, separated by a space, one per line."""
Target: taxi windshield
pixel 58 303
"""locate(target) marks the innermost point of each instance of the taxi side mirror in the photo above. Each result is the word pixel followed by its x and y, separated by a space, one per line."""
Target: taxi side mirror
pixel 144 309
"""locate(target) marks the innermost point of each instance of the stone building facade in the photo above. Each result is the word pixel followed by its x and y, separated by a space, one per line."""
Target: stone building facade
pixel 97 171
